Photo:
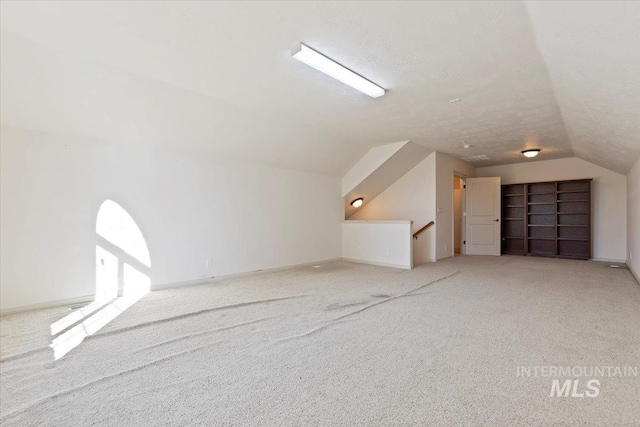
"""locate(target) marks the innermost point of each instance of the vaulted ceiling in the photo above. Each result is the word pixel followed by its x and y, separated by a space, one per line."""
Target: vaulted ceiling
pixel 219 77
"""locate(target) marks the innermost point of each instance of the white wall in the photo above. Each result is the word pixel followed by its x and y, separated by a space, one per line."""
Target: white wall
pixel 190 208
pixel 633 219
pixel 416 197
pixel 385 243
pixel 411 198
pixel 446 168
pixel 609 197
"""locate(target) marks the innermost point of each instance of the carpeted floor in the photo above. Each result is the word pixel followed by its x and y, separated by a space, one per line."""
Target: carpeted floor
pixel 342 344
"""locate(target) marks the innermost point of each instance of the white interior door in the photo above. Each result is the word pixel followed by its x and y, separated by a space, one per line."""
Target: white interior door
pixel 483 216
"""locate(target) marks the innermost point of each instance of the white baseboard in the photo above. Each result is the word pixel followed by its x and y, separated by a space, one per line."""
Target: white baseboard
pixel 634 274
pixel 89 298
pixel 430 260
pixel 49 304
pixel 381 264
pixel 206 280
pixel 621 261
pixel 183 284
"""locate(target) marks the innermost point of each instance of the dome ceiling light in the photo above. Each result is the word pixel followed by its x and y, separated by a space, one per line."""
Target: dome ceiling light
pixel 531 153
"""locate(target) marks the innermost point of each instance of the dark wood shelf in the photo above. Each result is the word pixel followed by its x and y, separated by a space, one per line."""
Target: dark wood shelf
pixel 571 239
pixel 573 191
pixel 572 256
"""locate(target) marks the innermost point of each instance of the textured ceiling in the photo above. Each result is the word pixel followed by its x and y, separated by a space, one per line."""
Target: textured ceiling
pixel 594 63
pixel 219 77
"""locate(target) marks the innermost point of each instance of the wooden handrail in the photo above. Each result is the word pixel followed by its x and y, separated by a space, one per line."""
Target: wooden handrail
pixel 415 235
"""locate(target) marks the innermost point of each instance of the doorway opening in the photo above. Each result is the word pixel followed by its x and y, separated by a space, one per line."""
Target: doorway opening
pixel 458 216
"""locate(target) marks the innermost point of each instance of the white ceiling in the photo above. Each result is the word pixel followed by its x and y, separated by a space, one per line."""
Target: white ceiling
pixel 219 77
pixel 592 51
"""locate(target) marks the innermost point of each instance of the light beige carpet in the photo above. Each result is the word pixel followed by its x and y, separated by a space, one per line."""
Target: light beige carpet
pixel 343 344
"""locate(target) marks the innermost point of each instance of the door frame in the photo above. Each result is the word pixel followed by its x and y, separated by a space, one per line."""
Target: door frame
pixel 463 217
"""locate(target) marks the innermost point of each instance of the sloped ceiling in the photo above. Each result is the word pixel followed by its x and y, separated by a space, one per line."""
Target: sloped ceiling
pixel 592 51
pixel 218 77
pixel 391 167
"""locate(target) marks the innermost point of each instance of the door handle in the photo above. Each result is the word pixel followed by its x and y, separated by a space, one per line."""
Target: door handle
pixel 496 220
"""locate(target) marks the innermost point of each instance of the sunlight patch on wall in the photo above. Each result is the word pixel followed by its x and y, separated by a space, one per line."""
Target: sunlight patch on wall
pixel 122 259
pixel 117 227
pixel 106 275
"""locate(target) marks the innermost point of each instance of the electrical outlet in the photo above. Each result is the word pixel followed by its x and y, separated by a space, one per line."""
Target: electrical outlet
pixel 445 247
pixel 208 263
pixel 388 252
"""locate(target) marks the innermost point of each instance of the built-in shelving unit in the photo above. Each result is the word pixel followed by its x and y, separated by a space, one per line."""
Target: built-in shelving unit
pixel 513 207
pixel 547 219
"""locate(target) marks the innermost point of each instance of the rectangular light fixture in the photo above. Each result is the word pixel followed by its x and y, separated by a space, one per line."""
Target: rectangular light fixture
pixel 337 71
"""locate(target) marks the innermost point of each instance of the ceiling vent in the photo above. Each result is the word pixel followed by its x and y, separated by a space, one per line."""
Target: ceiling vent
pixel 478 158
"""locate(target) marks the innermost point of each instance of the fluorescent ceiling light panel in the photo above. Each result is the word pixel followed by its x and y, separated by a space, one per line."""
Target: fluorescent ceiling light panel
pixel 337 71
